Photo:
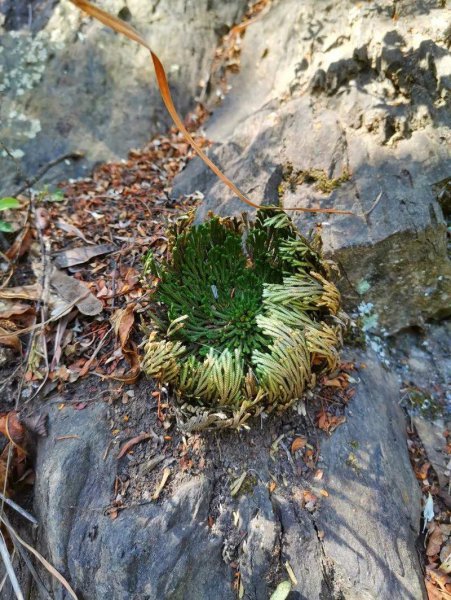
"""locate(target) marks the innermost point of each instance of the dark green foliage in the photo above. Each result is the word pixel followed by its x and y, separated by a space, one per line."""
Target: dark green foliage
pixel 216 278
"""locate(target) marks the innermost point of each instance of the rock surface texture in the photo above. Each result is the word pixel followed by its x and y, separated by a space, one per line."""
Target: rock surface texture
pixel 67 84
pixel 347 105
pixel 359 543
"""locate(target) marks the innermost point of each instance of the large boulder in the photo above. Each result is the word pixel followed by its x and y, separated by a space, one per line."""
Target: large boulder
pixel 67 84
pixel 357 542
pixel 346 106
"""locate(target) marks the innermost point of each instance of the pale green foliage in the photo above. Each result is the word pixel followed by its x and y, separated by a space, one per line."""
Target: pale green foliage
pixel 218 378
pixel 160 359
pixel 284 371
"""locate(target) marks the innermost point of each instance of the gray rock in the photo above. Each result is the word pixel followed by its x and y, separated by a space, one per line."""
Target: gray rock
pixel 148 552
pixel 370 482
pixel 359 543
pixel 347 90
pixel 67 84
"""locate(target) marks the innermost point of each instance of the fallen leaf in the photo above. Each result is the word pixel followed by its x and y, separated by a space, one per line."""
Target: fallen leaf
pixel 68 228
pixel 78 256
pixel 122 321
pixel 298 443
pixel 74 293
pixel 12 428
pixel 22 292
pixel 14 316
pixel 328 422
pixel 441 579
pixel 10 310
pixel 21 244
pixel 422 472
pixel 42 218
pixel 7 336
pixel 446 564
pixel 128 445
pixel 333 382
pixel 435 542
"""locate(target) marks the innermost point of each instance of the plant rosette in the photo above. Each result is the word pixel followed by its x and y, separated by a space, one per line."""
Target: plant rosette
pixel 243 318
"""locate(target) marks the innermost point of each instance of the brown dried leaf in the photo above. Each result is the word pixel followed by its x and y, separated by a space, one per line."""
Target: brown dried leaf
pixel 69 228
pixel 42 218
pixel 439 578
pixel 435 542
pixel 12 428
pixel 22 292
pixel 328 422
pixel 74 293
pixel 9 309
pixel 298 443
pixel 122 321
pixel 8 339
pixel 78 256
pixel 21 244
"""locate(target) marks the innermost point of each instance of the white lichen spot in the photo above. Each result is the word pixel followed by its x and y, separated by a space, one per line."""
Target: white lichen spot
pixel 17 153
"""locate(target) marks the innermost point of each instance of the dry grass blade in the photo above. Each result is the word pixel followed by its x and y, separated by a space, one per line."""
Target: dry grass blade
pixel 5 576
pixel 50 568
pixel 24 556
pixel 9 568
pixel 121 27
pixel 18 509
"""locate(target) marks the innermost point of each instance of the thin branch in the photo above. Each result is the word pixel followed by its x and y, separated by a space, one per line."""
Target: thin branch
pixel 30 182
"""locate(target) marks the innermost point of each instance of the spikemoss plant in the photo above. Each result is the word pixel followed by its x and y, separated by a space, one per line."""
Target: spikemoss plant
pixel 244 317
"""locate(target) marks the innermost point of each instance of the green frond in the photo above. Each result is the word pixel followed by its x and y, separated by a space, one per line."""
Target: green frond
pixel 161 359
pixel 331 296
pixel 285 371
pixel 218 378
pixel 323 342
pixel 300 291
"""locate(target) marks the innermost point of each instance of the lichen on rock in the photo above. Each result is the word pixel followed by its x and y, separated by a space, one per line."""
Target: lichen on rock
pixel 244 317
